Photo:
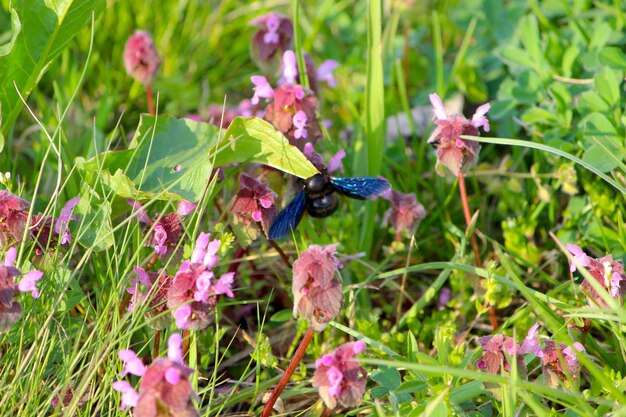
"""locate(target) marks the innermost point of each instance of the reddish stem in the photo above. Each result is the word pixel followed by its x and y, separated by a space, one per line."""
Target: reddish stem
pixel 493 318
pixel 157 344
pixel 327 412
pixel 295 360
pixel 150 97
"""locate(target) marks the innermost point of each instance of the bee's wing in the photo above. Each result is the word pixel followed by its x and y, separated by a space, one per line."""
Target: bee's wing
pixel 288 219
pixel 360 188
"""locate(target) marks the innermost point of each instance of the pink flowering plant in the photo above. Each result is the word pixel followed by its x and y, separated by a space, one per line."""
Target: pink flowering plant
pixel 116 301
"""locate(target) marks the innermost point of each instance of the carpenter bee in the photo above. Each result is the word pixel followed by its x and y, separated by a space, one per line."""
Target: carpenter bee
pixel 318 198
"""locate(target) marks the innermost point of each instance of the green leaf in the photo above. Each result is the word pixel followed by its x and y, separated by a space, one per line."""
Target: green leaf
pixel 598 128
pixel 613 57
pixel 607 83
pixel 282 316
pixel 51 26
pixel 255 140
pixel 590 101
pixel 172 158
pixel 94 214
pixel 16 28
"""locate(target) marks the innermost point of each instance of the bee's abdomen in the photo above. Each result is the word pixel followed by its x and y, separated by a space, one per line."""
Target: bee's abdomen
pixel 322 206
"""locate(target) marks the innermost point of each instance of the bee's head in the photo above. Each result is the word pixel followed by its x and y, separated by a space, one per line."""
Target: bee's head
pixel 316 183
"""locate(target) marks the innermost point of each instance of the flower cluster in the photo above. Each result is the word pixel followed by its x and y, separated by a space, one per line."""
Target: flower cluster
pixel 164 389
pixel 405 213
pixel 559 362
pixel 275 36
pixel 254 203
pixel 164 231
pixel 341 380
pixel 455 153
pixel 49 232
pixel 193 293
pixel 141 58
pixel 151 288
pixel 10 309
pixel 608 272
pixel 316 286
pixel 13 218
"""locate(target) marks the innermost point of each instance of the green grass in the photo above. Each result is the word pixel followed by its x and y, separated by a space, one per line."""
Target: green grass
pixel 552 167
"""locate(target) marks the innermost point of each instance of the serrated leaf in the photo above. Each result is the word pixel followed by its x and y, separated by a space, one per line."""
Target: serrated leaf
pixel 256 140
pixel 51 26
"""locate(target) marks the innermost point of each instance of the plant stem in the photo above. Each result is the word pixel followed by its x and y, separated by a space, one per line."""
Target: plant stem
pixel 150 97
pixel 157 344
pixel 327 412
pixel 468 220
pixel 295 360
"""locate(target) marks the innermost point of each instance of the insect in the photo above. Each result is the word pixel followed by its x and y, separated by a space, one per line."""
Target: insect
pixel 319 199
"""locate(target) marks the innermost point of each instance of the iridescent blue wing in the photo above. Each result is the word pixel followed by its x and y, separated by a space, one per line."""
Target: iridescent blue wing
pixel 360 188
pixel 288 219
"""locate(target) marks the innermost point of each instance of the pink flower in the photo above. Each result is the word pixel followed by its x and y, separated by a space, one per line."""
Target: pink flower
pixel 253 203
pixel 262 89
pixel 283 113
pixel 10 310
pixel 290 67
pixel 405 213
pixel 194 291
pixel 164 389
pixel 560 363
pixel 129 395
pixel 274 36
pixel 299 122
pixel 132 363
pixel 316 286
pixel 340 379
pixel 61 225
pixel 164 231
pixel 606 271
pixel 579 256
pixel 185 208
pixel 325 72
pixel 29 283
pixel 498 349
pixel 334 163
pixel 141 58
pixel 453 152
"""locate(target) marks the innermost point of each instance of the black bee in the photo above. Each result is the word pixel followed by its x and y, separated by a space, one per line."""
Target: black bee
pixel 318 198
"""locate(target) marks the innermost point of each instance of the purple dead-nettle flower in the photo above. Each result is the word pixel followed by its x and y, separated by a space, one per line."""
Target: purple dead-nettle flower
pixel 445 295
pixel 10 309
pixel 253 203
pixel 335 164
pixel 164 231
pixel 194 291
pixel 299 122
pixel 151 288
pixel 405 213
pixel 560 363
pixel 129 395
pixel 262 89
pixel 325 72
pixel 274 36
pixel 288 101
pixel 141 58
pixel 13 216
pixel 316 286
pixel 579 256
pixel 498 349
pixel 164 389
pixel 132 363
pixel 340 379
pixel 61 224
pixel 185 208
pixel 290 68
pixel 453 152
pixel 608 272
